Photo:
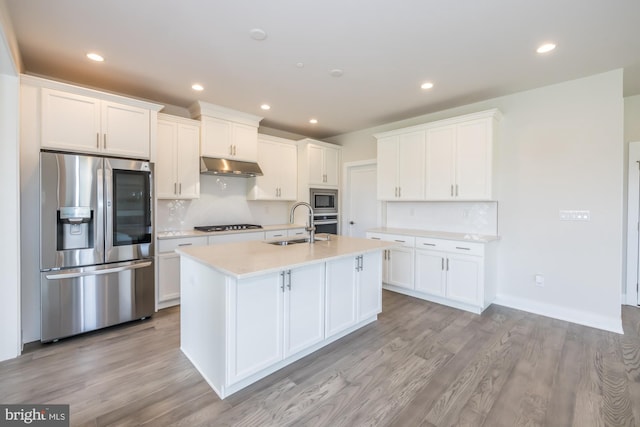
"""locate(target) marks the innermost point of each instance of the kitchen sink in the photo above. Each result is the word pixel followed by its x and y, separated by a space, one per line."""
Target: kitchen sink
pixel 288 242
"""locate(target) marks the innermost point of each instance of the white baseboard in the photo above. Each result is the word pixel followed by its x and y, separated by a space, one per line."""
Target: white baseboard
pixel 562 313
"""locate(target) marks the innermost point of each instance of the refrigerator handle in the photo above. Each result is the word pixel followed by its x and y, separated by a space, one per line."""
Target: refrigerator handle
pixel 70 274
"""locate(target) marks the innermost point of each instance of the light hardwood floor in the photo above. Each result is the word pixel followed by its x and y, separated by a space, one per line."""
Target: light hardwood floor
pixel 420 364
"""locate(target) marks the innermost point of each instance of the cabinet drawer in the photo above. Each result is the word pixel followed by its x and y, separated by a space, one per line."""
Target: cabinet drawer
pixel 169 245
pixel 454 246
pixel 407 241
pixel 272 234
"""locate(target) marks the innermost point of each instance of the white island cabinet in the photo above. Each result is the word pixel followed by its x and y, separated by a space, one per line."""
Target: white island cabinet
pixel 251 308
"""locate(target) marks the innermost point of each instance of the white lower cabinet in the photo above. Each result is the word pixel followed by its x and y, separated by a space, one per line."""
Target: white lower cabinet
pixel 168 277
pixel 431 276
pixel 354 291
pixel 272 317
pixel 398 262
pixel 457 273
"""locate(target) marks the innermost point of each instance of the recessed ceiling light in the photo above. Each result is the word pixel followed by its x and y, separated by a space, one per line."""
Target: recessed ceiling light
pixel 313 121
pixel 300 65
pixel 95 57
pixel 426 85
pixel 336 72
pixel 547 47
pixel 197 86
pixel 258 34
pixel 265 106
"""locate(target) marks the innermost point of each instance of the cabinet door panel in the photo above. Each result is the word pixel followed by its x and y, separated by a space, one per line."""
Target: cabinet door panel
pixel 165 169
pixel 188 163
pixel 400 267
pixel 341 295
pixel 430 272
pixel 331 166
pixel 125 130
pixel 316 166
pixel 288 182
pixel 464 277
pixel 245 141
pixel 216 138
pixel 387 168
pixel 370 286
pixel 265 186
pixel 473 158
pixel 168 277
pixel 304 308
pixel 411 162
pixel 257 325
pixel 70 122
pixel 440 162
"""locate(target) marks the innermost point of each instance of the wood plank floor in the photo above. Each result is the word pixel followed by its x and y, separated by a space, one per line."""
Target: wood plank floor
pixel 420 364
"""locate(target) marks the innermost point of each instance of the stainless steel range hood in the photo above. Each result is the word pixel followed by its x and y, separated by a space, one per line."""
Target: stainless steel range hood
pixel 215 166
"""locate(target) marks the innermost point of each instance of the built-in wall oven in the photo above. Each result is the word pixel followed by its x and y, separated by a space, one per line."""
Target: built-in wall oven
pixel 325 208
pixel 96 247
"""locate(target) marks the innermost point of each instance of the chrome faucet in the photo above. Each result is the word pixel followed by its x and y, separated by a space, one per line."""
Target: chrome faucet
pixel 311 228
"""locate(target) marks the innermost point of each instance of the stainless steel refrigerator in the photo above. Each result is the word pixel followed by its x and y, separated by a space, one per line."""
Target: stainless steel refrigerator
pixel 96 250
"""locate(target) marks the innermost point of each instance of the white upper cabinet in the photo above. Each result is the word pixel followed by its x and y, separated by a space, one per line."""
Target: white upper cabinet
pixel 86 124
pixel 277 157
pixel 177 170
pixel 401 166
pixel 227 133
pixel 459 161
pixel 445 160
pixel 320 163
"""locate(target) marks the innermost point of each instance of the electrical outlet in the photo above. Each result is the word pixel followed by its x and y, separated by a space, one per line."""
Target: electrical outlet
pixel 539 278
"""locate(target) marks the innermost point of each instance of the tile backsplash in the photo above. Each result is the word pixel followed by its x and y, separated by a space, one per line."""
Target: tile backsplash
pixel 457 217
pixel 222 201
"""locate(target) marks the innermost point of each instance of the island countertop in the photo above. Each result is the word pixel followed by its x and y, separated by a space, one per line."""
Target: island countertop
pixel 252 258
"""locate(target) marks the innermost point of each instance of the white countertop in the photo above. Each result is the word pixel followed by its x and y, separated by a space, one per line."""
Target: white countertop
pixel 246 259
pixel 466 237
pixel 195 233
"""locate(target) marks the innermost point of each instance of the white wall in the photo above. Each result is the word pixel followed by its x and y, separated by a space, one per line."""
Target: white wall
pixel 10 345
pixel 561 147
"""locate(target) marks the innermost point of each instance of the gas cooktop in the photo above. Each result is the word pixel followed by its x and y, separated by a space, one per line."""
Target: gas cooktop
pixel 210 228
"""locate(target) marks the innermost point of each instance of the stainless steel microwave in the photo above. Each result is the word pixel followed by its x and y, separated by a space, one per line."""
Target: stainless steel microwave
pixel 323 200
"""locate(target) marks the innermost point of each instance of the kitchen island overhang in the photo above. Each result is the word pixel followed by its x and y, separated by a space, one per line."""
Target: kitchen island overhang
pixel 251 308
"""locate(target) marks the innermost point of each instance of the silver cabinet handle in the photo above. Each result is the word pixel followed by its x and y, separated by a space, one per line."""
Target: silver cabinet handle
pixel 429 244
pixel 375 238
pixel 451 190
pixel 97 140
pixel 180 188
pixel 442 264
pixel 185 244
pixel 389 254
pixel 231 149
pixel 282 277
pixel 401 241
pixel 105 141
pixel 456 190
pixel 175 188
pixel 235 151
pixel 464 249
pixel 278 235
pixel 399 191
pixel 447 264
pixel 289 277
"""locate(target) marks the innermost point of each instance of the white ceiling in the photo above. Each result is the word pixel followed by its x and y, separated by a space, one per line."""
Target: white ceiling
pixel 471 50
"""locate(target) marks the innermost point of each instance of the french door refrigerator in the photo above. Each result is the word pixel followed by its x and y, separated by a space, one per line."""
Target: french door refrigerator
pixel 96 251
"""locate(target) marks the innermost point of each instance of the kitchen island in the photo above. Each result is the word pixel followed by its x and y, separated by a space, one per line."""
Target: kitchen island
pixel 251 308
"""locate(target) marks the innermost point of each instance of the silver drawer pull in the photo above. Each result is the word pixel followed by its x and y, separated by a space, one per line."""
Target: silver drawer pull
pixel 185 244
pixel 401 241
pixel 464 249
pixel 375 238
pixel 429 244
